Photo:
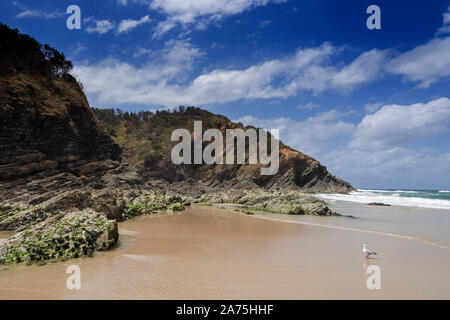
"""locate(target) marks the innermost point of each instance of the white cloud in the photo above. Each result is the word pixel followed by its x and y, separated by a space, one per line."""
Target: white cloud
pixel 129 24
pixel 28 13
pixel 446 16
pixel 443 30
pixel 260 80
pixel 100 26
pixel 372 107
pixel 264 23
pixel 445 23
pixel 375 152
pixel 308 106
pixel 366 68
pixel 140 51
pixel 309 69
pixel 395 167
pixel 396 125
pixel 182 12
pixel 76 49
pixel 312 135
pixel 426 63
pixel 391 127
pixel 115 82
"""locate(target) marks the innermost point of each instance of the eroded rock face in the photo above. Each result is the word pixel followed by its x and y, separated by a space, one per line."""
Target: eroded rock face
pixel 53 152
pixel 110 195
pixel 47 127
pixel 71 222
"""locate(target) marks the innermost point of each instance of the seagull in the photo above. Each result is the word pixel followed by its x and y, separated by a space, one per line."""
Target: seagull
pixel 368 252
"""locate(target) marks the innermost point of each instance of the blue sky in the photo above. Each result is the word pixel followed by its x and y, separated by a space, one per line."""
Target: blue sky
pixel 371 105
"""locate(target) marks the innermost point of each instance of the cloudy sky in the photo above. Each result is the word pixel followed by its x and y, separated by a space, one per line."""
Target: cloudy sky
pixel 371 105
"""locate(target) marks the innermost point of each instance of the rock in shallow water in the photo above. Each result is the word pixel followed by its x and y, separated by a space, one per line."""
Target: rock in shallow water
pixel 380 204
pixel 286 202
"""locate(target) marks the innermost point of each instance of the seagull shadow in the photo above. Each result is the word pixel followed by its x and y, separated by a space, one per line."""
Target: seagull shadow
pixel 368 262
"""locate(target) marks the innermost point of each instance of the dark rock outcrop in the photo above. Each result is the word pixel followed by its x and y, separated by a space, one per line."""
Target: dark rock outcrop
pixel 380 204
pixel 47 127
pixel 53 152
pixel 46 124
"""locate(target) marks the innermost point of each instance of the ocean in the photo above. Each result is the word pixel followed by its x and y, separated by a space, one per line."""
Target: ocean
pixel 434 199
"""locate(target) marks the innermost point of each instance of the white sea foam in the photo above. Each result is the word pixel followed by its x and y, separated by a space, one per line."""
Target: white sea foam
pixel 368 196
pixel 445 191
pixel 388 191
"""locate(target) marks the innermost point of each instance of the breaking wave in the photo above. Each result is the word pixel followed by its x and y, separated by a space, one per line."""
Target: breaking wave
pixel 407 198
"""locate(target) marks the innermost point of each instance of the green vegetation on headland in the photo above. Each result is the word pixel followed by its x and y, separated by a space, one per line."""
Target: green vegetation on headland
pixel 145 135
pixel 145 138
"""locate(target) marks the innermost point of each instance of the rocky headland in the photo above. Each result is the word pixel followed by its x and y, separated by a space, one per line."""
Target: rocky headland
pixel 69 173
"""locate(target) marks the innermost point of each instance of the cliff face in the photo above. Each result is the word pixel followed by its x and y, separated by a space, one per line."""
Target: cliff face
pixel 52 153
pixel 145 139
pixel 46 125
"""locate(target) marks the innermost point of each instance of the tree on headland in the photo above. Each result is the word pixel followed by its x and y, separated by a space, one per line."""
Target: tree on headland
pixel 20 53
pixel 58 63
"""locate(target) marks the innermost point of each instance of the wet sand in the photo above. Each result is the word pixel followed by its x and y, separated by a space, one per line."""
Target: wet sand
pixel 208 253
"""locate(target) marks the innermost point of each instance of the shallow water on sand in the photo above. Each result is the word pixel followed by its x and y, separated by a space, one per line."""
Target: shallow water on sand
pixel 208 253
pixel 428 225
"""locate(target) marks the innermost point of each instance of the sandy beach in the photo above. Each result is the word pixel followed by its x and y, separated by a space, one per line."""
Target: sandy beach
pixel 209 253
pixel 225 150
